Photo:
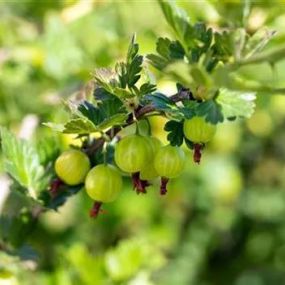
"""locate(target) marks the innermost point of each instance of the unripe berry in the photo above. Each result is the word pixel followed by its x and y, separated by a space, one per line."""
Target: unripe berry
pixel 72 167
pixel 148 172
pixel 132 153
pixel 198 130
pixel 169 161
pixel 103 183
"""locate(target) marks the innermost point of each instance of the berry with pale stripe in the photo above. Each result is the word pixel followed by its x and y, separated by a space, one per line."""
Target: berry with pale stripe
pixel 72 167
pixel 169 163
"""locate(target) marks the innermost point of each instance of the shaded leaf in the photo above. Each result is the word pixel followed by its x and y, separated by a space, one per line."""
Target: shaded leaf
pixel 176 134
pixel 147 88
pixel 64 193
pixel 92 113
pixel 176 50
pixel 211 110
pixel 162 47
pixel 157 61
pixel 160 101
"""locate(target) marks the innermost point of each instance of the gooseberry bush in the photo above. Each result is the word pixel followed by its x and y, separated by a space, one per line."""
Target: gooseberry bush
pixel 204 63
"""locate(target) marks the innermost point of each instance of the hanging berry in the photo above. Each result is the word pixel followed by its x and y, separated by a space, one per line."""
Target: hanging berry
pixel 72 167
pixel 169 163
pixel 198 131
pixel 103 184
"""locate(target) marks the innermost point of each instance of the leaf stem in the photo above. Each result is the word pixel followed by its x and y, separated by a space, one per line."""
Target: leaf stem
pixel 270 56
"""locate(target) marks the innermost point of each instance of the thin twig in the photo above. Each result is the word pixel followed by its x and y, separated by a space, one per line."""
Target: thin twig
pixel 183 94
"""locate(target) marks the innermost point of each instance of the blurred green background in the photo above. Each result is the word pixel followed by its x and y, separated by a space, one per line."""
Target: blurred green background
pixel 223 222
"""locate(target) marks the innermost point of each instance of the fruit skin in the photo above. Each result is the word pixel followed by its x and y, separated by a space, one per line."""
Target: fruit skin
pixel 132 153
pixel 148 172
pixel 103 183
pixel 198 130
pixel 72 167
pixel 169 161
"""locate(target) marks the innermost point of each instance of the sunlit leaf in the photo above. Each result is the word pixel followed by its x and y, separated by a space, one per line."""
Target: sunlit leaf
pixel 22 162
pixel 236 104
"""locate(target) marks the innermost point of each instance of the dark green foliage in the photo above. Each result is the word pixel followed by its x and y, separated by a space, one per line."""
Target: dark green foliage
pixel 176 135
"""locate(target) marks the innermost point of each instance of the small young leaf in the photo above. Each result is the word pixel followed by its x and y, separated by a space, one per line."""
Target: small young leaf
pixel 176 135
pixel 80 126
pixel 134 69
pixel 105 78
pixel 129 72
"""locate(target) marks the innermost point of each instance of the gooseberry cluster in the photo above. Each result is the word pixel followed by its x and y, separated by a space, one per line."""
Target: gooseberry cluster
pixel 143 157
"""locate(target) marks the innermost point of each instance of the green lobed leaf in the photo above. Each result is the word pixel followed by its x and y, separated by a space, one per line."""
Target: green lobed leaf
pixel 132 50
pixel 105 78
pixel 176 50
pixel 62 196
pixel 236 104
pixel 164 104
pixel 160 101
pixel 157 61
pixel 134 69
pixel 223 47
pixel 147 88
pixel 176 134
pixel 176 18
pixel 211 110
pixel 89 118
pixel 163 47
pixel 92 113
pixel 80 126
pixel 115 120
pixel 122 93
pixel 22 162
pixel 168 51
